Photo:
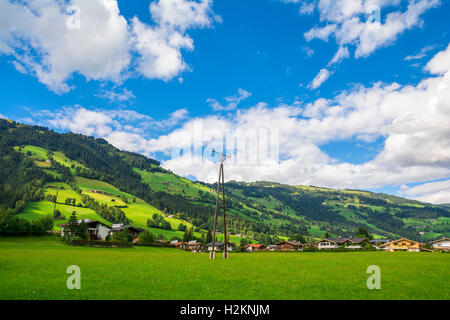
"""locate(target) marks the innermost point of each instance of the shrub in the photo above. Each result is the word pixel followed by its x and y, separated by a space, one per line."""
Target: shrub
pixel 146 237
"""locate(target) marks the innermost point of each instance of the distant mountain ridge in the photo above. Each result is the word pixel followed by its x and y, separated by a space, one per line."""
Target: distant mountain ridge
pixel 35 156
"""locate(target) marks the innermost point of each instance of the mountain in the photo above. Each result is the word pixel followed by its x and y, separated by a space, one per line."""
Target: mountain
pixel 96 180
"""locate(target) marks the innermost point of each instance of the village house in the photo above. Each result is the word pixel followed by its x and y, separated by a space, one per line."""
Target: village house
pixel 133 231
pixel 220 246
pixel 348 243
pixel 290 246
pixel 273 247
pixel 181 245
pixel 253 247
pixel 402 244
pixel 195 246
pixel 97 229
pixel 442 244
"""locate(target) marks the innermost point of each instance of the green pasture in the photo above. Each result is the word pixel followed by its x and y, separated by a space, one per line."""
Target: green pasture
pixel 35 268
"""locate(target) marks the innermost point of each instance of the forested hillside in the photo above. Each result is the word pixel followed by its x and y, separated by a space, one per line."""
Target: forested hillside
pixel 43 171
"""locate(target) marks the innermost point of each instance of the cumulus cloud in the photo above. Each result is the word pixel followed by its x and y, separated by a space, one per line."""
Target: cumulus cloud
pixel 433 192
pixel 231 101
pixel 125 129
pixel 366 25
pixel 360 23
pixel 159 46
pixel 52 40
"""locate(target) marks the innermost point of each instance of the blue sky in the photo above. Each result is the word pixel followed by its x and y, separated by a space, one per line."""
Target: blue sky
pixel 154 75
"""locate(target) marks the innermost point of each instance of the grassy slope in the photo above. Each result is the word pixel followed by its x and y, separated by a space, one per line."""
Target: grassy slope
pixel 153 273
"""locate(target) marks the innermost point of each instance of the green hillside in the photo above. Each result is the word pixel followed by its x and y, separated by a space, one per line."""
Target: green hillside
pixel 44 170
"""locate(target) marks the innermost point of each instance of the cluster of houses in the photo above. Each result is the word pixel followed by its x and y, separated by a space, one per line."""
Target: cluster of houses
pixel 402 244
pixel 100 231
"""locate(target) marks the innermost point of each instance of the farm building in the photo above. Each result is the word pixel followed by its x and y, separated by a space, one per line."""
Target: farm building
pixel 253 247
pixel 290 246
pixel 273 247
pixel 97 230
pixel 402 244
pixel 220 246
pixel 442 244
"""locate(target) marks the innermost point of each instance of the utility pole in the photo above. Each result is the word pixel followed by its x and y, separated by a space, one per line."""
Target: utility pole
pixel 212 253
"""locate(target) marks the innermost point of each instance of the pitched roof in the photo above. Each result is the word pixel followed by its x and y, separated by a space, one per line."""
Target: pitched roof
pixel 219 244
pixel 342 240
pixel 253 245
pixel 405 239
pixel 380 240
pixel 127 227
pixel 294 243
pixel 443 239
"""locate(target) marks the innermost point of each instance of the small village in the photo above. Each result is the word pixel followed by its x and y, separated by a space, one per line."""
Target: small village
pixel 98 231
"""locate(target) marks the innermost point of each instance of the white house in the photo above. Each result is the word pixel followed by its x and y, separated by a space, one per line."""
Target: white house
pixel 220 246
pixel 326 244
pixel 97 230
pixel 442 244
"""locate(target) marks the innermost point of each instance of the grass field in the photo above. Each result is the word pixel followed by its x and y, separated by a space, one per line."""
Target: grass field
pixel 35 268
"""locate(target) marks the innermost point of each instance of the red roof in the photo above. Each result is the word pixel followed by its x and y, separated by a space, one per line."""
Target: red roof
pixel 256 246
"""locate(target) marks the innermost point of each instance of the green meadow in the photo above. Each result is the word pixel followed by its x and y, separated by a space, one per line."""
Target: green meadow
pixel 35 268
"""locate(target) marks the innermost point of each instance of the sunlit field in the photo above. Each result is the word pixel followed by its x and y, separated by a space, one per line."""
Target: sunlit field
pixel 35 268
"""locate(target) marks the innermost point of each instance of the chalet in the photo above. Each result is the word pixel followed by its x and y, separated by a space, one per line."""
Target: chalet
pixel 402 244
pixel 195 246
pixel 220 246
pixel 253 247
pixel 348 243
pixel 326 244
pixel 173 242
pixel 290 246
pixel 273 247
pixel 181 245
pixel 442 245
pixel 97 229
pixel 133 231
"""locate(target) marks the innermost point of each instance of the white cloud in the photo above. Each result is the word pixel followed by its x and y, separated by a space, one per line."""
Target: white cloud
pixel 322 33
pixel 364 25
pixel 433 192
pixel 355 22
pixel 117 96
pixel 422 54
pixel 36 34
pixel 309 52
pixel 232 101
pixel 321 77
pixel 340 55
pixel 125 129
